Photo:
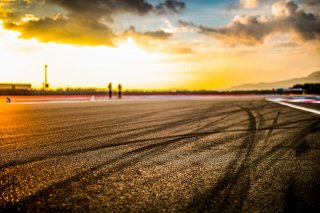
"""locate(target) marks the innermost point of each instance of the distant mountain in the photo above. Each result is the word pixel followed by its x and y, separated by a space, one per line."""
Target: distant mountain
pixel 312 78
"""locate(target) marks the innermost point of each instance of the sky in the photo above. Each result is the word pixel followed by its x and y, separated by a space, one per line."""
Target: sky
pixel 158 44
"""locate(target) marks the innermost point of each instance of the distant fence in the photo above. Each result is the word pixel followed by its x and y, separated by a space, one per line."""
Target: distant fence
pixel 15 92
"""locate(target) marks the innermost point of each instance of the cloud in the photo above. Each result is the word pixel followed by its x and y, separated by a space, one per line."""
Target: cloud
pixel 286 18
pixel 154 35
pixel 103 7
pixel 187 24
pixel 284 8
pixel 61 30
pixel 249 3
pixel 179 50
pixel 148 40
pixel 156 41
pixel 170 6
pixel 168 27
pixel 312 2
pixel 79 22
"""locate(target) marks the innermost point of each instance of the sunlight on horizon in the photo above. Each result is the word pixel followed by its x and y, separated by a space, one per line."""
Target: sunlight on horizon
pixel 153 60
pixel 82 66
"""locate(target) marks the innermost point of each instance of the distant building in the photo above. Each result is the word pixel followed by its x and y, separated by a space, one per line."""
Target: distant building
pixel 13 86
pixel 296 91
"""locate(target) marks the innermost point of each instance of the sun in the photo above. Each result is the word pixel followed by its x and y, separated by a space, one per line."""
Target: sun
pixel 131 51
pixel 127 63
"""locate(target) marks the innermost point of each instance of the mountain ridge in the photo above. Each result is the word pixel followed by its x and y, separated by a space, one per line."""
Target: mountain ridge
pixel 314 77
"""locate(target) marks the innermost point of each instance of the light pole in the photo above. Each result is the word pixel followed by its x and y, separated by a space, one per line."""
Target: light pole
pixel 45 84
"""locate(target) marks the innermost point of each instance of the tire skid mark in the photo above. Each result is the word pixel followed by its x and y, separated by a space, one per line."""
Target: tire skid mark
pixel 94 148
pixel 122 121
pixel 273 127
pixel 275 152
pixel 222 194
pixel 159 147
pixel 130 142
pixel 237 171
pixel 154 149
pixel 104 146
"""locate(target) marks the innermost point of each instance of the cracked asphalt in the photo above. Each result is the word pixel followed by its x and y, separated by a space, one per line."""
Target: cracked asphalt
pixel 179 155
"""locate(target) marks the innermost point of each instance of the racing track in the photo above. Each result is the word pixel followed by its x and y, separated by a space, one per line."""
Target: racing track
pixel 186 155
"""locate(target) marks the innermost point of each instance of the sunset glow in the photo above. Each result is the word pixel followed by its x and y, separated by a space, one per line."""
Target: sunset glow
pixel 176 45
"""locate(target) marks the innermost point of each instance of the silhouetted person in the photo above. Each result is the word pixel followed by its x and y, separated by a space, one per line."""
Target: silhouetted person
pixel 8 100
pixel 119 91
pixel 110 89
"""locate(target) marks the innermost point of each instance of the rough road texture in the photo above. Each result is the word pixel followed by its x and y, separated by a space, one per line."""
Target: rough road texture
pixel 215 155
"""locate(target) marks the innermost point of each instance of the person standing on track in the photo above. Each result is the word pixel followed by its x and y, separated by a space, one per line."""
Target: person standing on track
pixel 119 91
pixel 110 90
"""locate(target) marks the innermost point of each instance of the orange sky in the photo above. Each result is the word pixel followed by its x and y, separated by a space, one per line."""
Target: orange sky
pixel 158 44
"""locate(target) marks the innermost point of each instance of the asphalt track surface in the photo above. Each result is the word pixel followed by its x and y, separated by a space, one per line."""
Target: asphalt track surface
pixel 185 155
pixel 315 106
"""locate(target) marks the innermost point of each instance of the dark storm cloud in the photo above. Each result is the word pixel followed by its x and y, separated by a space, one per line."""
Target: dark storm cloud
pixel 81 22
pixel 170 6
pixel 252 30
pixel 104 7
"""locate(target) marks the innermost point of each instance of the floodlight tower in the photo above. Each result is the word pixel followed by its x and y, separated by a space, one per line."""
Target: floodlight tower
pixel 45 84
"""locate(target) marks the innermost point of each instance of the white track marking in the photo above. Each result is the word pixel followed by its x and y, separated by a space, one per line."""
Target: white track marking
pixel 296 107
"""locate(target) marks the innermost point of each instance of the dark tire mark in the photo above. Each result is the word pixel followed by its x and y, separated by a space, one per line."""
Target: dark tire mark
pixel 230 192
pixel 235 181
